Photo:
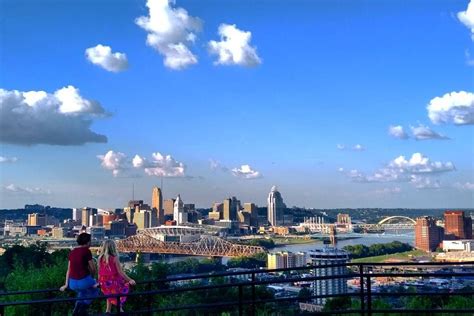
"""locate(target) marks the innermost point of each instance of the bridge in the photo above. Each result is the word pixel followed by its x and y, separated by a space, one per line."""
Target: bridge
pixel 391 218
pixel 207 246
pixel 389 223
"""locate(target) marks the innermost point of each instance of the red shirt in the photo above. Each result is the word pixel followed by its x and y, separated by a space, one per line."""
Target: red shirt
pixel 79 262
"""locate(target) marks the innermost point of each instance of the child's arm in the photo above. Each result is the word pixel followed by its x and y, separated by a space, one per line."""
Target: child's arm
pixel 120 271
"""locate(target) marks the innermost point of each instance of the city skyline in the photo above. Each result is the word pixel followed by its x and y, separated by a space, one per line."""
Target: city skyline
pixel 367 104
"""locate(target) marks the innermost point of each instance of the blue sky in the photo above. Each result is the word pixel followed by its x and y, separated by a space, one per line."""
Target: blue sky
pixel 314 75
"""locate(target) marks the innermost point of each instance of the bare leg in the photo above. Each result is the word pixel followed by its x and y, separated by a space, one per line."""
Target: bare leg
pixel 109 307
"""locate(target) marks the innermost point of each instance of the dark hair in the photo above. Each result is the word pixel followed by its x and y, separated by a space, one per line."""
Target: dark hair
pixel 83 239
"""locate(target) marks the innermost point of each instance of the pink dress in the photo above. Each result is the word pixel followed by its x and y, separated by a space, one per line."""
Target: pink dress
pixel 111 282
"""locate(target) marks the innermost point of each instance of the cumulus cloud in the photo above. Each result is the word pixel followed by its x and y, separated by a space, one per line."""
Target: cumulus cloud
pixel 356 147
pixel 234 47
pixel 422 132
pixel 414 170
pixel 103 56
pixel 8 159
pixel 37 117
pixel 158 165
pixel 12 188
pixel 397 131
pixel 246 172
pixel 466 186
pixel 455 107
pixel 164 166
pixel 170 31
pixel 467 17
pixel 114 161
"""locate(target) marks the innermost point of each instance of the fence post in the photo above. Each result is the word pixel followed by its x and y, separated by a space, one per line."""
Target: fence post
pixel 253 294
pixel 2 310
pixel 362 294
pixel 49 306
pixel 149 299
pixel 369 296
pixel 241 306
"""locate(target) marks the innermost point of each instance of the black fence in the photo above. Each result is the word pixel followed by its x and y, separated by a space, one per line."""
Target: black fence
pixel 247 302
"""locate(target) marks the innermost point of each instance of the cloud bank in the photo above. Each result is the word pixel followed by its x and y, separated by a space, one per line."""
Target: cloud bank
pixel 37 117
pixel 452 108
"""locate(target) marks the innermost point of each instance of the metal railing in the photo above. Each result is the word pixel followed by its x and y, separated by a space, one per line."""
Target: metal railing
pixel 247 302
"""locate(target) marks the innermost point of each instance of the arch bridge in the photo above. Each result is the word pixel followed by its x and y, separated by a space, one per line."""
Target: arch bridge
pixel 207 246
pixel 386 220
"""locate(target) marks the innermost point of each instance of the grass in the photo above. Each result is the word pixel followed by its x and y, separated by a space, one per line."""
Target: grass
pixel 404 256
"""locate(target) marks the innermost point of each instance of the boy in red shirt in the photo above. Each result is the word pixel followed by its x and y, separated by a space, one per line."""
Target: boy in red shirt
pixel 81 268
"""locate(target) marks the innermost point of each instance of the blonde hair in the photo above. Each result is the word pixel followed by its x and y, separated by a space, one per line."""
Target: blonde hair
pixel 108 249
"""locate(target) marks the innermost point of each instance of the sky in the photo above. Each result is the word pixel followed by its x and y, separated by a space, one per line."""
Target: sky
pixel 361 103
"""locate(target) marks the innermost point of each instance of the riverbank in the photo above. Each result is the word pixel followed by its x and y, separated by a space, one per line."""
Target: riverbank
pixel 401 256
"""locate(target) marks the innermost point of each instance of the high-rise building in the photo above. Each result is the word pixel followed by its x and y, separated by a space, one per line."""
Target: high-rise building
pixel 218 207
pixel 457 225
pixel 37 219
pixel 286 259
pixel 230 207
pixel 276 208
pixel 157 203
pixel 86 215
pixel 76 214
pixel 179 215
pixel 142 219
pixel 252 209
pixel 427 234
pixel 328 256
pixel 243 217
pixel 168 206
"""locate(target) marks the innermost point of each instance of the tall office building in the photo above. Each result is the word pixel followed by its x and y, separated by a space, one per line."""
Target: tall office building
pixel 427 234
pixel 142 219
pixel 37 219
pixel 327 256
pixel 179 215
pixel 157 204
pixel 76 214
pixel 87 212
pixel 168 206
pixel 230 207
pixel 276 208
pixel 457 225
pixel 252 209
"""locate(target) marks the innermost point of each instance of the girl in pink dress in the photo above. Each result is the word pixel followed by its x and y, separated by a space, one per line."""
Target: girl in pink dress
pixel 112 279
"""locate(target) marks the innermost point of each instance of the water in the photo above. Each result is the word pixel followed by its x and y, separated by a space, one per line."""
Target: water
pixel 364 239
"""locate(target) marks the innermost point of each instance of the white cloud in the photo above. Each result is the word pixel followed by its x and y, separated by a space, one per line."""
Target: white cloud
pixel 422 132
pixel 164 166
pixel 397 131
pixel 102 56
pixel 467 186
pixel 469 59
pixel 424 183
pixel 170 30
pixel 38 117
pixel 467 17
pixel 8 159
pixel 234 47
pixel 12 188
pixel 114 161
pixel 454 107
pixel 356 147
pixel 402 169
pixel 246 172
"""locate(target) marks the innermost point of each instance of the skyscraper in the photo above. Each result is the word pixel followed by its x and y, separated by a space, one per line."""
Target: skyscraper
pixel 37 219
pixel 179 215
pixel 157 205
pixel 252 209
pixel 328 256
pixel 276 208
pixel 427 234
pixel 457 225
pixel 87 212
pixel 169 206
